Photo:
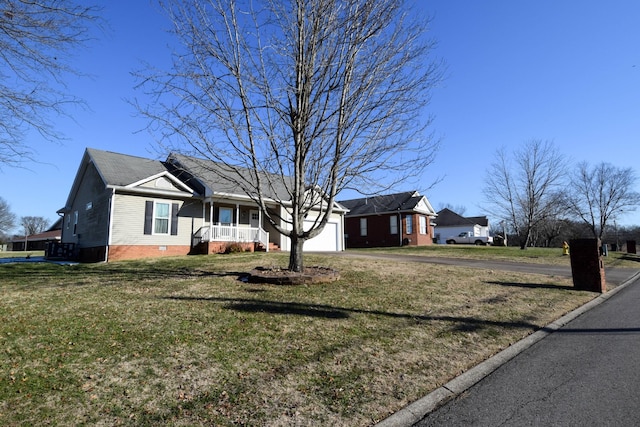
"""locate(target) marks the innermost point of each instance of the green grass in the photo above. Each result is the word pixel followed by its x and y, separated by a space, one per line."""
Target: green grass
pixel 182 341
pixel 20 254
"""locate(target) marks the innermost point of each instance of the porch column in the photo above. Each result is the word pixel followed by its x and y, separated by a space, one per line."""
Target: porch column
pixel 237 215
pixel 204 211
pixel 211 219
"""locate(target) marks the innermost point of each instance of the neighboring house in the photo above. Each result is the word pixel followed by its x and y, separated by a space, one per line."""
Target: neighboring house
pixel 452 224
pixel 125 207
pixel 39 241
pixel 389 220
pixel 34 242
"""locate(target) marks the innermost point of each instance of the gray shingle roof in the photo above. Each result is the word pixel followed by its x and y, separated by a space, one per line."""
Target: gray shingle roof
pixel 448 218
pixel 122 169
pixel 406 201
pixel 210 174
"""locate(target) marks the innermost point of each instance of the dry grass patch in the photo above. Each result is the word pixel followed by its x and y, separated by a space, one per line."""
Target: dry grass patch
pixel 182 341
pixel 550 256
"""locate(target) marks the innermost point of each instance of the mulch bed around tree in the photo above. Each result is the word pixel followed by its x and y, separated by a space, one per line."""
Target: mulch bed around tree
pixel 279 276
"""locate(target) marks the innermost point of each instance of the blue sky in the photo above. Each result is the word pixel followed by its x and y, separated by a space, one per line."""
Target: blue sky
pixel 567 71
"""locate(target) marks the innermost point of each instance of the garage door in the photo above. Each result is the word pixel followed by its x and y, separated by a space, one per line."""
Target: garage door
pixel 325 241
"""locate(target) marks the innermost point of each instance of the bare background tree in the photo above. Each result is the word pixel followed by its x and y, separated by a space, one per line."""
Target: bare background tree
pixel 316 95
pixel 37 39
pixel 34 224
pixel 7 218
pixel 599 194
pixel 524 188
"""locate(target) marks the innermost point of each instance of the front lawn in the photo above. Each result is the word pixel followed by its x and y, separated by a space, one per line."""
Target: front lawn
pixel 20 254
pixel 552 256
pixel 183 341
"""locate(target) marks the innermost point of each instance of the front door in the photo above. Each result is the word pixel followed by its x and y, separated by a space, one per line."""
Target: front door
pixel 254 219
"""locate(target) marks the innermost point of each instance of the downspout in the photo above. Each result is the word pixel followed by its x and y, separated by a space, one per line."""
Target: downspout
pixel 344 240
pixel 110 234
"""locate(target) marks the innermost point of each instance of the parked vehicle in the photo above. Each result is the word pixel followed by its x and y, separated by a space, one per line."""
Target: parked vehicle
pixel 467 237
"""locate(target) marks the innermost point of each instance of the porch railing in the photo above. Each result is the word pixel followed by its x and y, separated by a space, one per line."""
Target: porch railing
pixel 232 233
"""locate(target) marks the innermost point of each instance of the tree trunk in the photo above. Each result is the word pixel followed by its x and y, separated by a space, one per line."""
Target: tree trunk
pixel 524 241
pixel 295 256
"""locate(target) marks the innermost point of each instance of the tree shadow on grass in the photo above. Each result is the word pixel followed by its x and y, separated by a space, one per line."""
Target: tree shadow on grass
pixel 330 312
pixel 32 276
pixel 630 257
pixel 530 285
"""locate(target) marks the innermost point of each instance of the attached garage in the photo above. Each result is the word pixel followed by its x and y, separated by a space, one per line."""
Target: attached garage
pixel 327 241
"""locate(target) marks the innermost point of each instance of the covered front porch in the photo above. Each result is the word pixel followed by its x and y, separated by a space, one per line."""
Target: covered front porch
pixel 230 226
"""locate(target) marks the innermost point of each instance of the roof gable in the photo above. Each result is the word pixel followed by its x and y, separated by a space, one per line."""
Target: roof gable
pixel 163 181
pixel 122 171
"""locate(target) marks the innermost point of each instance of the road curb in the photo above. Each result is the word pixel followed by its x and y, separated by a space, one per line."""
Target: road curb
pixel 414 412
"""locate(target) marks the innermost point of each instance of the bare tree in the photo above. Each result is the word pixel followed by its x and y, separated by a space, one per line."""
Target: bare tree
pixel 34 224
pixel 525 187
pixel 318 95
pixel 37 39
pixel 7 218
pixel 601 193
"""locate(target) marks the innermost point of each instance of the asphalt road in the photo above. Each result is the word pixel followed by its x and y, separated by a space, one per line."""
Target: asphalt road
pixel 586 373
pixel 583 370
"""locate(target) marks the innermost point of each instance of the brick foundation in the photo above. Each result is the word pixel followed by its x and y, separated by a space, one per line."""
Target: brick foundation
pixel 122 252
pixel 221 247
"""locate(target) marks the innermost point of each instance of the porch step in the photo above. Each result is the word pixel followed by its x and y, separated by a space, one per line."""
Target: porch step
pixel 273 247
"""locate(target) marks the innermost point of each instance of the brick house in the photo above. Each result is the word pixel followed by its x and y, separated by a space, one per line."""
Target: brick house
pixel 400 219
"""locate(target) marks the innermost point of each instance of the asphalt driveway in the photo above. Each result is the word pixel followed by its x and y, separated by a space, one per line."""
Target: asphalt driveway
pixel 614 276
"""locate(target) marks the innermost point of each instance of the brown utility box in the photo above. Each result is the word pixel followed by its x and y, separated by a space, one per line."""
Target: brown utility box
pixel 587 267
pixel 631 246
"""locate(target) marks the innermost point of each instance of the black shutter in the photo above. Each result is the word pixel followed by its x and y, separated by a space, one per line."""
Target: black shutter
pixel 174 219
pixel 148 217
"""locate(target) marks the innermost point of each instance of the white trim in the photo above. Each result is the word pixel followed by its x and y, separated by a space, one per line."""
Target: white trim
pixel 151 192
pixel 164 174
pixel 408 220
pixel 226 208
pixel 154 217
